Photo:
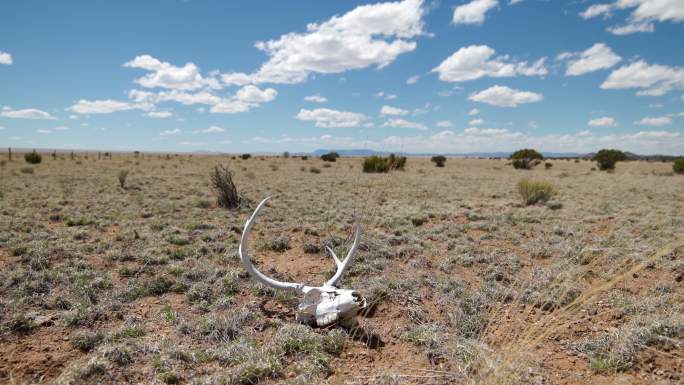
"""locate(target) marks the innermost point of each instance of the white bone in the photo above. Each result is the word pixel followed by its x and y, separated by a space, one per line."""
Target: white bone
pixel 322 305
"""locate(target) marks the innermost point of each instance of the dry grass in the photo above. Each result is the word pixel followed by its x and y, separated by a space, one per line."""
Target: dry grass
pixel 467 285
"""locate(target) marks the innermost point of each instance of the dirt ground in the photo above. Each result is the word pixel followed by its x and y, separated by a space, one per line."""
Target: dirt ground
pixel 142 284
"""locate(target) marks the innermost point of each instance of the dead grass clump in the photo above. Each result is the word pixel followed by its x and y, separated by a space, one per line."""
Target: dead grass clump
pixel 535 191
pixel 222 181
pixel 123 174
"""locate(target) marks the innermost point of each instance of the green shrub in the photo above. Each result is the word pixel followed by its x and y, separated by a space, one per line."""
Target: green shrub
pixel 526 158
pixel 532 191
pixel 678 166
pixel 245 156
pixel 33 157
pixel 439 160
pixel 330 157
pixel 606 159
pixel 378 164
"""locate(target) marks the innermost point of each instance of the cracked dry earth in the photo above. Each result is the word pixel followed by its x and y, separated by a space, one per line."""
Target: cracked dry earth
pixel 142 284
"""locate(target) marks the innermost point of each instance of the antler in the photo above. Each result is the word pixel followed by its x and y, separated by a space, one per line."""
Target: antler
pixel 299 287
pixel 247 262
pixel 342 266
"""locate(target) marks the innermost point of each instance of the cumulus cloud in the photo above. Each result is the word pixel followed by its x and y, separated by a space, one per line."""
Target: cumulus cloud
pixel 476 61
pixel 315 99
pixel 597 57
pixel 604 121
pixel 444 124
pixel 402 123
pixel 642 14
pixel 28 113
pixel 650 79
pixel 328 118
pixel 107 106
pixel 473 12
pixel 368 35
pixel 389 110
pixel 502 96
pixel 5 58
pixel 166 75
pixel 654 121
pixel 253 94
pixel 476 122
pixel 474 112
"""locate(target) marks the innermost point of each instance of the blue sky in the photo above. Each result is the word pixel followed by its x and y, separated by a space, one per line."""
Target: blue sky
pixel 417 76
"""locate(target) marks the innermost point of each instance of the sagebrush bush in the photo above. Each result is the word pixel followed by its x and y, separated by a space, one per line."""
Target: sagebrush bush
pixel 439 160
pixel 535 191
pixel 33 157
pixel 526 158
pixel 330 157
pixel 606 159
pixel 222 181
pixel 678 166
pixel 123 174
pixel 378 164
pixel 245 156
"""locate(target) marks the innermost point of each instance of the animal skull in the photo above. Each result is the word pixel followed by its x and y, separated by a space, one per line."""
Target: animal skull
pixel 323 305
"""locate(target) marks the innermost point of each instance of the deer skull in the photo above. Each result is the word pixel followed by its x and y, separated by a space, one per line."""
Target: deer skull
pixel 323 305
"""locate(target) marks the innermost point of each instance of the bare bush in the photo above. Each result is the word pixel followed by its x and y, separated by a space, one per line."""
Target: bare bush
pixel 222 181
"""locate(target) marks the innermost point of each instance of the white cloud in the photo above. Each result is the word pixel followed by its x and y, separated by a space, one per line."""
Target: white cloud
pixel 473 12
pixel 655 134
pixel 651 79
pixel 193 144
pixel 631 28
pixel 514 2
pixel 485 131
pixel 604 121
pixel 231 106
pixel 384 95
pixel 502 96
pixel 643 14
pixel 43 131
pixel 413 79
pixel 61 128
pixel 327 118
pixel 107 106
pixel 389 110
pixel 474 112
pixel 597 57
pixel 402 123
pixel 159 114
pixel 210 130
pixel 368 35
pixel 476 122
pixel 654 121
pixel 253 94
pixel 5 58
pixel 475 61
pixel 444 124
pixel 175 131
pixel 597 10
pixel 28 113
pixel 165 75
pixel 315 99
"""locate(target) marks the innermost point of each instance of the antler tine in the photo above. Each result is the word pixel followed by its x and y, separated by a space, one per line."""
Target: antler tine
pixel 342 266
pixel 247 262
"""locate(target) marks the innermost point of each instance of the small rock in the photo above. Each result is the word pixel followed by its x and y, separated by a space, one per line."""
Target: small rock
pixel 553 205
